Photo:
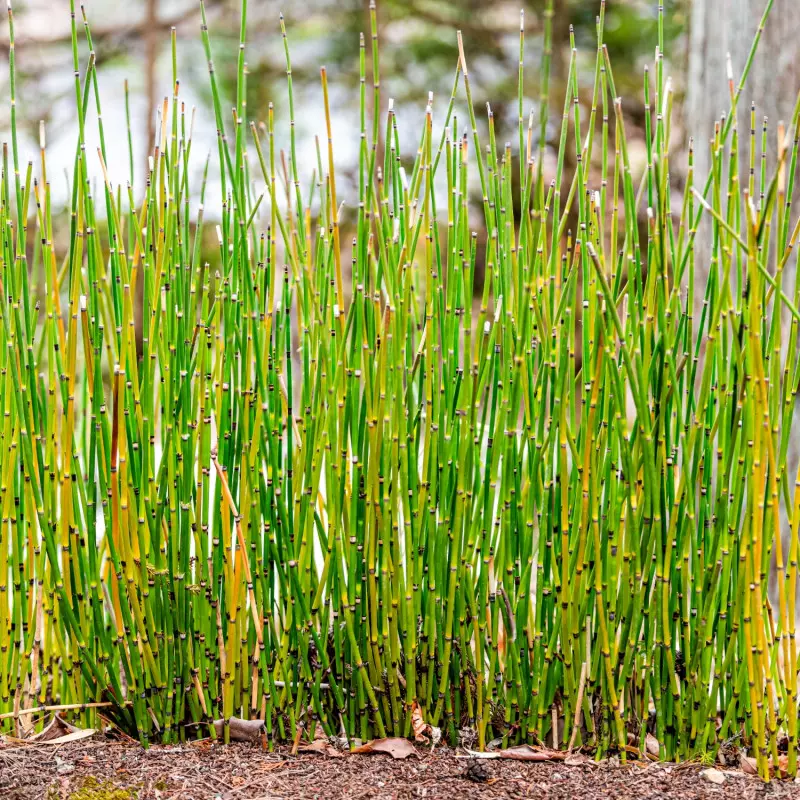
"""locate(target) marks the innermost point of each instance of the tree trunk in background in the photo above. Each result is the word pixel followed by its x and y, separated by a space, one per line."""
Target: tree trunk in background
pixel 719 27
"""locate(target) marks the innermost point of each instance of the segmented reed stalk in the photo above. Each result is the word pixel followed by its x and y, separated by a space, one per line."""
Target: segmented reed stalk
pixel 325 485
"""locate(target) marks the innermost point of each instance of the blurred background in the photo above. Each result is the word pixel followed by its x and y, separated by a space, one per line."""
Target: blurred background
pixel 706 47
pixel 418 55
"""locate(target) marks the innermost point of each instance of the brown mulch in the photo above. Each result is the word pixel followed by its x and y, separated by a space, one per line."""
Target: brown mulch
pixel 101 769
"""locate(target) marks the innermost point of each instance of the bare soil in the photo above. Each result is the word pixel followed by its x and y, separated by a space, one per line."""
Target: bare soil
pixel 103 769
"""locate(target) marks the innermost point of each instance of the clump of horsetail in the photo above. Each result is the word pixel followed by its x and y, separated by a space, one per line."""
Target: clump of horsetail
pixel 336 480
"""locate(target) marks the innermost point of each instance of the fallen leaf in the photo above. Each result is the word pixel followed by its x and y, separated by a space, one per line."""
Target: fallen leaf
pixel 783 765
pixel 524 752
pixel 395 747
pixel 54 729
pixel 81 733
pixel 579 760
pixel 748 764
pixel 241 730
pixel 651 745
pixel 297 736
pixel 321 745
pixel 421 728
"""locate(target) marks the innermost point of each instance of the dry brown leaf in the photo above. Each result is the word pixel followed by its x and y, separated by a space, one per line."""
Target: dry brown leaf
pixel 579 760
pixel 395 747
pixel 524 752
pixel 59 731
pixel 321 745
pixel 748 765
pixel 54 729
pixel 297 736
pixel 783 766
pixel 242 730
pixel 421 728
pixel 81 733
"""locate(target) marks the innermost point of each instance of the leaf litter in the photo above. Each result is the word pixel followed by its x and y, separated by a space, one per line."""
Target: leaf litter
pixel 205 769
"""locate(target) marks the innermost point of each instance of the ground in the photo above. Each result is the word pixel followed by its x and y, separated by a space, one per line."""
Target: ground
pixel 100 769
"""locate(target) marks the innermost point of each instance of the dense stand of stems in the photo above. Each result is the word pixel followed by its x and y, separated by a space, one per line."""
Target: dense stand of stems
pixel 330 494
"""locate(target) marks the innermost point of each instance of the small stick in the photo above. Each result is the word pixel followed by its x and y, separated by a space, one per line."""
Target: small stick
pixel 62 707
pixel 581 688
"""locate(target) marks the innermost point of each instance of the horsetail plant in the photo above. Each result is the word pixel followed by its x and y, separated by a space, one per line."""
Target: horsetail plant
pixel 319 484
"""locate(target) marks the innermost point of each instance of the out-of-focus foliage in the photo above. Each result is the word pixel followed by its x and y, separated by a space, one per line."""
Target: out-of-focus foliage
pixel 418 54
